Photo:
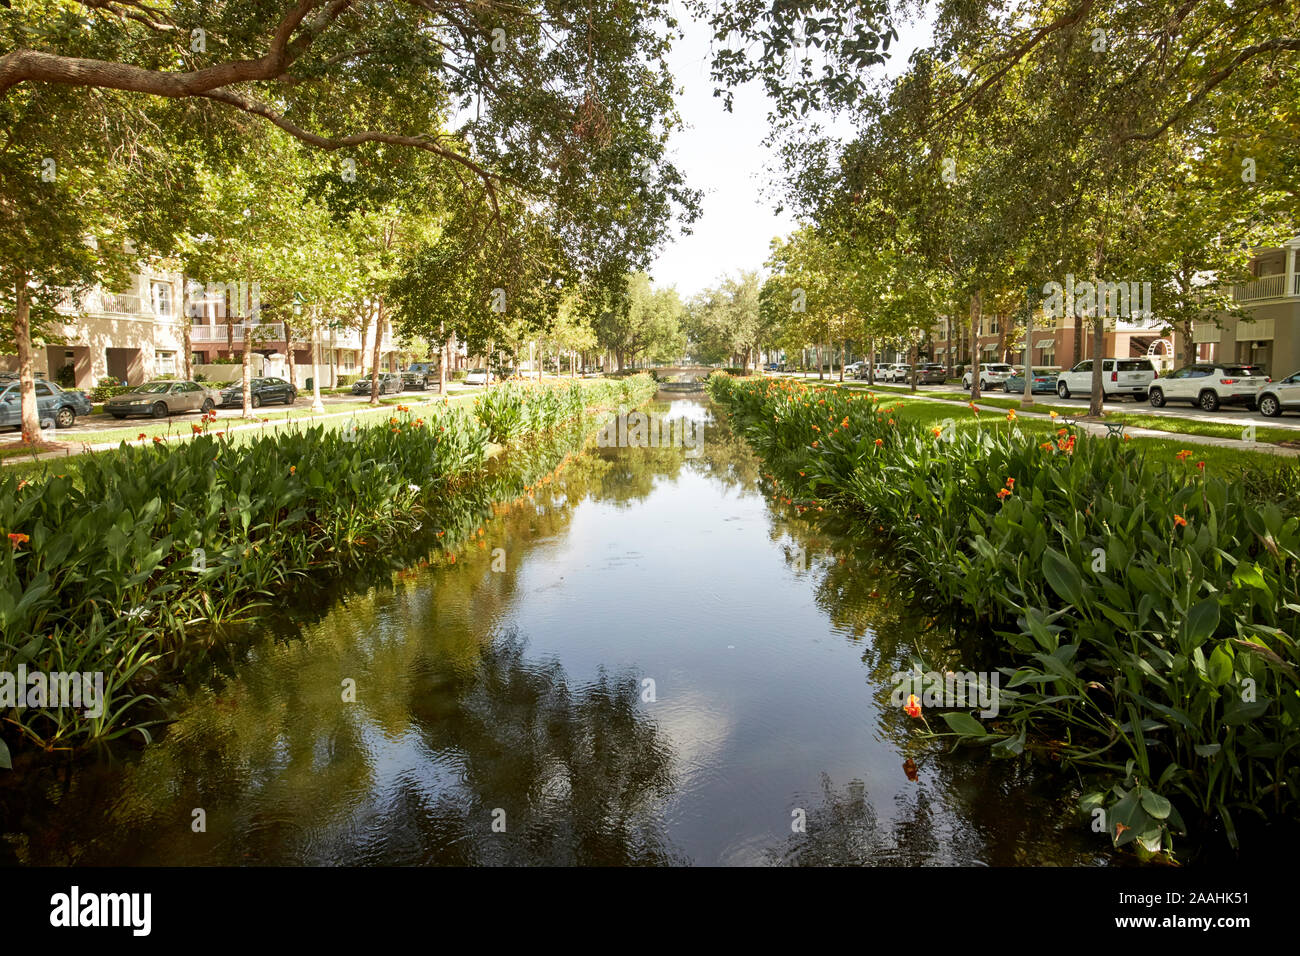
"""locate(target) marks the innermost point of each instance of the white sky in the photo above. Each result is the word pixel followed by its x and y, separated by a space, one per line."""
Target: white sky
pixel 722 154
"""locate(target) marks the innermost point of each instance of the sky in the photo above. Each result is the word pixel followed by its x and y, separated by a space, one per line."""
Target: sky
pixel 723 155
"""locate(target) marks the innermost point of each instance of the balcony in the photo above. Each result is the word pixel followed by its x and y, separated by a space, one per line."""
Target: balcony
pixel 1267 287
pixel 262 332
pixel 97 302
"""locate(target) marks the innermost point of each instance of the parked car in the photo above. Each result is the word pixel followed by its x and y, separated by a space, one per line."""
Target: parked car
pixel 263 392
pixel 388 382
pixel 931 373
pixel 851 370
pixel 772 367
pixel 1278 397
pixel 1044 381
pixel 476 376
pixel 54 405
pixel 1211 384
pixel 1119 377
pixel 864 370
pixel 991 375
pixel 420 374
pixel 163 398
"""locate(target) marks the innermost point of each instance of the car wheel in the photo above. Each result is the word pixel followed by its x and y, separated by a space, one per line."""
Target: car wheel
pixel 159 410
pixel 256 401
pixel 207 406
pixel 65 418
pixel 292 396
pixel 1156 397
pixel 1270 406
pixel 1209 400
pixel 1062 390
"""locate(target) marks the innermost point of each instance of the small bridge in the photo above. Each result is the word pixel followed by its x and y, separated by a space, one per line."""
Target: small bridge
pixel 683 378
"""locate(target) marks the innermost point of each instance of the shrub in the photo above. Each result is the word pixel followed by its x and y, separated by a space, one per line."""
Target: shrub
pixel 1148 611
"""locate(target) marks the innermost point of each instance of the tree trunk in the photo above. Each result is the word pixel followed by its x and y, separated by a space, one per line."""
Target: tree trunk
pixel 31 419
pixel 316 405
pixel 871 361
pixel 379 339
pixel 915 355
pixel 976 316
pixel 1097 404
pixel 843 349
pixel 442 359
pixel 246 375
pixel 288 353
pixel 365 328
pixel 186 337
pixel 1027 399
pixel 952 347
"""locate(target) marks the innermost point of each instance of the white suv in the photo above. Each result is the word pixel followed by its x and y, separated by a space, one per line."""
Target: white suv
pixel 900 372
pixel 991 375
pixel 1211 384
pixel 1119 376
pixel 1278 397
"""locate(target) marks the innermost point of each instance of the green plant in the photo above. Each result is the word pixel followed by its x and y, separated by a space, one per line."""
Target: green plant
pixel 1148 613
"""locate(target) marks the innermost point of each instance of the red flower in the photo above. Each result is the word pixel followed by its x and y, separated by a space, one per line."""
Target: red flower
pixel 880 441
pixel 1180 521
pixel 913 707
pixel 18 539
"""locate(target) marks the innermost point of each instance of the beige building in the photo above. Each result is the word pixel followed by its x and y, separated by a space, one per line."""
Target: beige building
pixel 139 334
pixel 1271 336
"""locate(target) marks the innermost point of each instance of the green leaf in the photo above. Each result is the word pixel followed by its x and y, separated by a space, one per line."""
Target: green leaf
pixel 964 724
pixel 1064 577
pixel 1155 804
pixel 1202 621
pixel 5 762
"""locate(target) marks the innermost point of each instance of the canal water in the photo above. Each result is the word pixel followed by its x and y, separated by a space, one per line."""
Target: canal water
pixel 645 660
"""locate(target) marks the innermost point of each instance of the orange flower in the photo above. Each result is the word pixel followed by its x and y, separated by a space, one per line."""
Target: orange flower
pixel 196 429
pixel 814 444
pixel 17 538
pixel 1004 492
pixel 1062 431
pixel 141 436
pixel 937 432
pixel 157 440
pixel 292 469
pixel 1011 483
pixel 1011 414
pixel 913 708
pixel 1183 455
pixel 1046 446
pixel 879 442
pixel 1180 521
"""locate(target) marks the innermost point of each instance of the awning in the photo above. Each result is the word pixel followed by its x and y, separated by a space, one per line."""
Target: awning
pixel 1044 343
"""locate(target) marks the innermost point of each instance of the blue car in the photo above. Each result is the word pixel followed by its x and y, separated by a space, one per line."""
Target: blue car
pixel 1044 381
pixel 55 406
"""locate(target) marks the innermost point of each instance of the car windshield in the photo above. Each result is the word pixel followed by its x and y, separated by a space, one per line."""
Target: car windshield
pixel 1135 365
pixel 999 368
pixel 152 388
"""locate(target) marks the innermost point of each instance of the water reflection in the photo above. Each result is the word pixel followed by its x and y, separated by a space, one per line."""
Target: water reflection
pixel 642 659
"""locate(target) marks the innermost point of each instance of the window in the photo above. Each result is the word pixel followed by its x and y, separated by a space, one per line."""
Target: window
pixel 164 363
pixel 43 390
pixel 1136 365
pixel 1085 366
pixel 162 299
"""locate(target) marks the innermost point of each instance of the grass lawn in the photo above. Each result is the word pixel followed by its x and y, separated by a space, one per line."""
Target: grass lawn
pixel 1221 461
pixel 1114 413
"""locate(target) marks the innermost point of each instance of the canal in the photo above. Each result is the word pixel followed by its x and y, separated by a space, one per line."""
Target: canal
pixel 643 659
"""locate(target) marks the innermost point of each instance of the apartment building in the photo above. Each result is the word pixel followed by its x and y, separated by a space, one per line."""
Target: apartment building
pixel 140 333
pixel 1271 335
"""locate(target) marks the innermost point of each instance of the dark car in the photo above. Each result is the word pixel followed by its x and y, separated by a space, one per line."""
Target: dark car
pixel 265 391
pixel 54 405
pixel 420 374
pixel 931 374
pixel 388 382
